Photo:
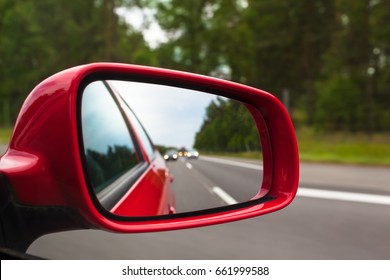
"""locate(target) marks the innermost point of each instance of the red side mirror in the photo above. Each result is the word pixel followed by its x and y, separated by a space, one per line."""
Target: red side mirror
pixel 48 170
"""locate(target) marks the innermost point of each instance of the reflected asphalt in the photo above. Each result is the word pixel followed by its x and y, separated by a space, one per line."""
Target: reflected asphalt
pixel 196 182
pixel 310 228
pixel 3 148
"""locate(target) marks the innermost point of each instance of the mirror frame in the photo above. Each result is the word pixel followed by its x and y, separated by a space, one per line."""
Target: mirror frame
pixel 51 115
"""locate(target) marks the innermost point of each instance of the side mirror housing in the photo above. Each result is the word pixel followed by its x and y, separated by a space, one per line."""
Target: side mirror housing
pixel 43 168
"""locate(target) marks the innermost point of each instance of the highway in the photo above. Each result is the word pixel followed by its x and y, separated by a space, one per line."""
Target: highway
pixel 205 183
pixel 341 212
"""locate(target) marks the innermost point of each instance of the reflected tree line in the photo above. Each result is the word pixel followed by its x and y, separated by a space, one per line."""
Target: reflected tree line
pixel 228 127
pixel 104 168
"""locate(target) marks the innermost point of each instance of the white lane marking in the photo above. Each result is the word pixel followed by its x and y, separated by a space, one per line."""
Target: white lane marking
pixel 189 165
pixel 345 196
pixel 224 195
pixel 234 163
pixel 315 193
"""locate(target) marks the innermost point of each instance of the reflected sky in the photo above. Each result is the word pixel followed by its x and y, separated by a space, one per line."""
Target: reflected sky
pixel 171 116
pixel 102 122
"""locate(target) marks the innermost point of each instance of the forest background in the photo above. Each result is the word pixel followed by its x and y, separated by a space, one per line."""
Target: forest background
pixel 328 61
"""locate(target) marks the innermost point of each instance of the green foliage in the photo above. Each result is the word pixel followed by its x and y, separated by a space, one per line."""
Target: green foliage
pixel 331 55
pixel 40 38
pixel 5 135
pixel 343 147
pixel 228 127
pixel 338 105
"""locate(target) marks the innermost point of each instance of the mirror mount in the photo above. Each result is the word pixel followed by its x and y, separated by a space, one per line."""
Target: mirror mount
pixel 21 225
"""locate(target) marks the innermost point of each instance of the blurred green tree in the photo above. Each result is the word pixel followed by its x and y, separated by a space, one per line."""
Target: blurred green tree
pixel 39 38
pixel 228 127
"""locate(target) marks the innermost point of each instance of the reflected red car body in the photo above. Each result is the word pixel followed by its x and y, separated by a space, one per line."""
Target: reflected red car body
pixel 151 194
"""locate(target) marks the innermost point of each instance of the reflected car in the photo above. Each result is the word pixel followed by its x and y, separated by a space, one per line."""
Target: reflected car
pixel 182 152
pixel 192 154
pixel 171 155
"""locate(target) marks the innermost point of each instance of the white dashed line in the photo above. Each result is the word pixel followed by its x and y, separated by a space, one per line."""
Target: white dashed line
pixel 345 196
pixel 224 196
pixel 189 165
pixel 316 193
pixel 234 163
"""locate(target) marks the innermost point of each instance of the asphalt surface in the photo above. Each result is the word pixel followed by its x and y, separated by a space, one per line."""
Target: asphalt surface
pixel 3 148
pixel 341 212
pixel 202 184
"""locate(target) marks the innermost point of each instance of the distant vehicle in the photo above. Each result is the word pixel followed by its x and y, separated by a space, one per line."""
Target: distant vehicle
pixel 171 155
pixel 192 154
pixel 182 152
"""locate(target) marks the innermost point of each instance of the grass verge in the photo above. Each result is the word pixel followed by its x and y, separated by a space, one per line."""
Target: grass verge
pixel 349 148
pixel 5 135
pixel 342 148
pixel 243 155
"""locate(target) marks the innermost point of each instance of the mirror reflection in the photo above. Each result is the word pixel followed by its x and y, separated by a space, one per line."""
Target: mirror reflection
pixel 151 149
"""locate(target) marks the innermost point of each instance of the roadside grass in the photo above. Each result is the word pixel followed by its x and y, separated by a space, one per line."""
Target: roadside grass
pixel 243 155
pixel 5 135
pixel 342 148
pixel 349 148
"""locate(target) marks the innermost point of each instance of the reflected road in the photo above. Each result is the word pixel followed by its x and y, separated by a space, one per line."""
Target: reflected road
pixel 202 184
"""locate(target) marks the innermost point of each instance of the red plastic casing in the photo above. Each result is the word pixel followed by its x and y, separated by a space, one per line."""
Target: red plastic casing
pixel 44 167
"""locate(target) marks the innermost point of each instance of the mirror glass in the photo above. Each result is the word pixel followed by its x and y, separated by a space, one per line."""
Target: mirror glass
pixel 152 149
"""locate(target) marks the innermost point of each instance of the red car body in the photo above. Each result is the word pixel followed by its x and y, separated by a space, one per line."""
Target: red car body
pixel 43 174
pixel 151 194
